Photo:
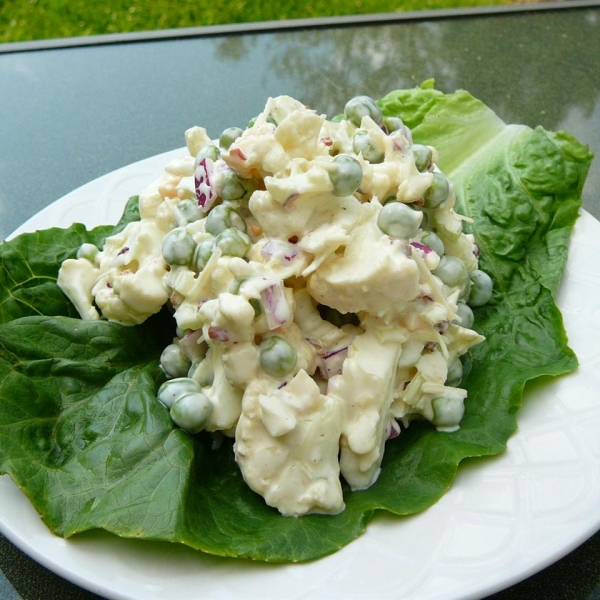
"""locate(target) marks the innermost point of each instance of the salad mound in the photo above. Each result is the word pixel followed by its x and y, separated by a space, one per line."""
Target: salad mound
pixel 322 289
pixel 82 431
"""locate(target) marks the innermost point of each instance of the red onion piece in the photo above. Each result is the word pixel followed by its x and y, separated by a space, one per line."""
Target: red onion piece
pixel 393 430
pixel 335 352
pixel 332 362
pixel 218 333
pixel 284 251
pixel 205 194
pixel 420 246
pixel 399 145
pixel 276 307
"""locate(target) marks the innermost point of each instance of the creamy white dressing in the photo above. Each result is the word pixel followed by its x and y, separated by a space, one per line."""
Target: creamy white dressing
pixel 330 412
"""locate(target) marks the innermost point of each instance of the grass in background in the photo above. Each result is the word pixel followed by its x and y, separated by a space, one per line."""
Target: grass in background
pixel 24 20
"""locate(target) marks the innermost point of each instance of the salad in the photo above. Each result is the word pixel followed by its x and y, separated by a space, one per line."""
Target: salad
pixel 113 420
pixel 321 285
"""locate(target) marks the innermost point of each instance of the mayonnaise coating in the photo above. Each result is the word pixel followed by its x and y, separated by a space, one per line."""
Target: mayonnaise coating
pixel 314 322
pixel 287 445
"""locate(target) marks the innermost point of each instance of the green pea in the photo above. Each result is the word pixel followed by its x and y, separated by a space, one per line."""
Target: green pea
pixel 393 124
pixel 229 135
pixel 174 362
pixel 398 220
pixel 209 151
pixel 455 373
pixel 422 155
pixel 223 217
pixel 345 175
pixel 233 242
pixel 178 247
pixel 481 288
pixel 231 187
pixel 191 412
pixel 189 211
pixel 451 271
pixel 363 143
pixel 434 242
pixel 362 106
pixel 438 192
pixel 269 119
pixel 277 357
pixel 203 253
pixel 466 315
pixel 448 410
pixel 170 391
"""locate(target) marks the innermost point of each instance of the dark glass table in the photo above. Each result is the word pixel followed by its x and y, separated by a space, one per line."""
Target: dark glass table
pixel 73 110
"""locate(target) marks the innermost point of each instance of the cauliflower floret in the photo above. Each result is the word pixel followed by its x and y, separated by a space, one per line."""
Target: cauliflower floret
pixel 299 179
pixel 227 319
pixel 287 443
pixel 76 278
pixel 130 286
pixel 181 167
pixel 365 388
pixel 280 107
pixel 301 214
pixel 284 130
pixel 322 242
pixel 196 138
pixel 150 199
pixel 372 274
pixel 127 282
pixel 299 133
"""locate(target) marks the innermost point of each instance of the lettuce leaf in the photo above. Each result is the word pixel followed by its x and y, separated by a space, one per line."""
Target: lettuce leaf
pixel 28 266
pixel 83 436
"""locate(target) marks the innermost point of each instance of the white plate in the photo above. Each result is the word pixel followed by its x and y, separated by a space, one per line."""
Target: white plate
pixel 503 519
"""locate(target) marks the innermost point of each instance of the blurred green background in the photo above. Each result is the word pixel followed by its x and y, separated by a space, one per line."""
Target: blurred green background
pixel 24 20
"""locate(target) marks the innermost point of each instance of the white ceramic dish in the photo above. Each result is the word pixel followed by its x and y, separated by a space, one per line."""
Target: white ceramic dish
pixel 503 519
